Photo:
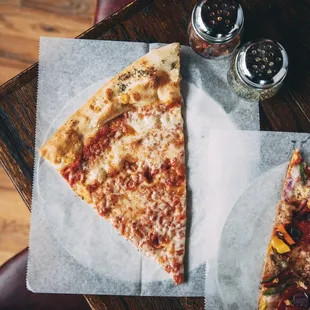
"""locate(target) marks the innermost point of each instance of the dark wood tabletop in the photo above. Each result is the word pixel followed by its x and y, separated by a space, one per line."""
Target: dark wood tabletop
pixel 286 21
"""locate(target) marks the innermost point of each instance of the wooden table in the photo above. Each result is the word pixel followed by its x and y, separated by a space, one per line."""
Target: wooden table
pixel 286 21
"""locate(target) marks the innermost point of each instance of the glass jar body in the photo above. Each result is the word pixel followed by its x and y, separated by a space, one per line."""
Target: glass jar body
pixel 211 50
pixel 246 91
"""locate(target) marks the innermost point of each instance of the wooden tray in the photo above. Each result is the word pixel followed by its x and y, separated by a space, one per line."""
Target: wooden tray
pixel 165 21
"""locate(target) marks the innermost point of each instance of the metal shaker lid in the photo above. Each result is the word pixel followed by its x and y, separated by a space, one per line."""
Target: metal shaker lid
pixel 262 64
pixel 217 21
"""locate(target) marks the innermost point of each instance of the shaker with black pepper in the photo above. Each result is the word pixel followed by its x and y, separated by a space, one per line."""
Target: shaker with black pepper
pixel 258 70
pixel 215 28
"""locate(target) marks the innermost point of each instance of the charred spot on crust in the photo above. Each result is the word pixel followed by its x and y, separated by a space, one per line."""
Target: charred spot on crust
pixel 173 65
pixel 160 79
pixel 125 76
pixel 121 87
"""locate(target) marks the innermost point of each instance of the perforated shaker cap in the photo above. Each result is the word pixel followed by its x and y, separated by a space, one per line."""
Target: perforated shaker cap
pixel 262 64
pixel 217 21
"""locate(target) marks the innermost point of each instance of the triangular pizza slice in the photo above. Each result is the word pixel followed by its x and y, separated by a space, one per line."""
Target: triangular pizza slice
pixel 123 152
pixel 285 282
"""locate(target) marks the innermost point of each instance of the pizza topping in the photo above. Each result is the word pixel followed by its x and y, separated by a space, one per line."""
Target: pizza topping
pixel 294 232
pixel 287 302
pixel 269 278
pixel 303 212
pixel 294 298
pixel 301 192
pixel 276 290
pixel 282 234
pixel 285 213
pixel 278 260
pixel 272 283
pixel 301 299
pixel 301 284
pixel 304 227
pixel 280 246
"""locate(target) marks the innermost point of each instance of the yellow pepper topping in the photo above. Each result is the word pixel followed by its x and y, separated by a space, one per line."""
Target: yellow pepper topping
pixel 279 245
pixel 281 229
pixel 262 305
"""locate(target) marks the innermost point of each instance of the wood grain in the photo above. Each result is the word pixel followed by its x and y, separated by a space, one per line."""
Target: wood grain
pixel 14 220
pixel 23 22
pixel 166 21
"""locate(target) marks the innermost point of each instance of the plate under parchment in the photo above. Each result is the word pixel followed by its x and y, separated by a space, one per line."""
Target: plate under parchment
pixel 93 241
pixel 245 239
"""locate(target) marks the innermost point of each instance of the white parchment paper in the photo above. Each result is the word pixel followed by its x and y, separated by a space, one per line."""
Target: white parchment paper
pixel 72 250
pixel 245 177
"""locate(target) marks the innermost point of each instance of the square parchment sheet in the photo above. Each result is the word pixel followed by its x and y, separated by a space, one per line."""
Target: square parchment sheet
pixel 246 170
pixel 72 250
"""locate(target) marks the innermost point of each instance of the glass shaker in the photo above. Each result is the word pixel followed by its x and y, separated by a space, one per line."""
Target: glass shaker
pixel 215 28
pixel 258 69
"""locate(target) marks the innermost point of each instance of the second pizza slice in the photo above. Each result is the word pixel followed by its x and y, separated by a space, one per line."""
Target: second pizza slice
pixel 123 152
pixel 285 283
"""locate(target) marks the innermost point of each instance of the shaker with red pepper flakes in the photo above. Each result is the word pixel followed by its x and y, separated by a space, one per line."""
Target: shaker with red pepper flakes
pixel 216 27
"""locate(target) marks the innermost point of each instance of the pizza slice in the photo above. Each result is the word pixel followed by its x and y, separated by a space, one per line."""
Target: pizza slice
pixel 123 153
pixel 286 277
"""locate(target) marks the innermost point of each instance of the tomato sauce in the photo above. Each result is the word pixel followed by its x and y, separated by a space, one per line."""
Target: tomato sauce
pixel 304 226
pixel 171 105
pixel 101 141
pixel 289 294
pixel 73 172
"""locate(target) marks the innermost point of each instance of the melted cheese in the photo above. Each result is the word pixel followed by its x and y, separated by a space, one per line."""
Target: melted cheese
pixel 150 145
pixel 96 174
